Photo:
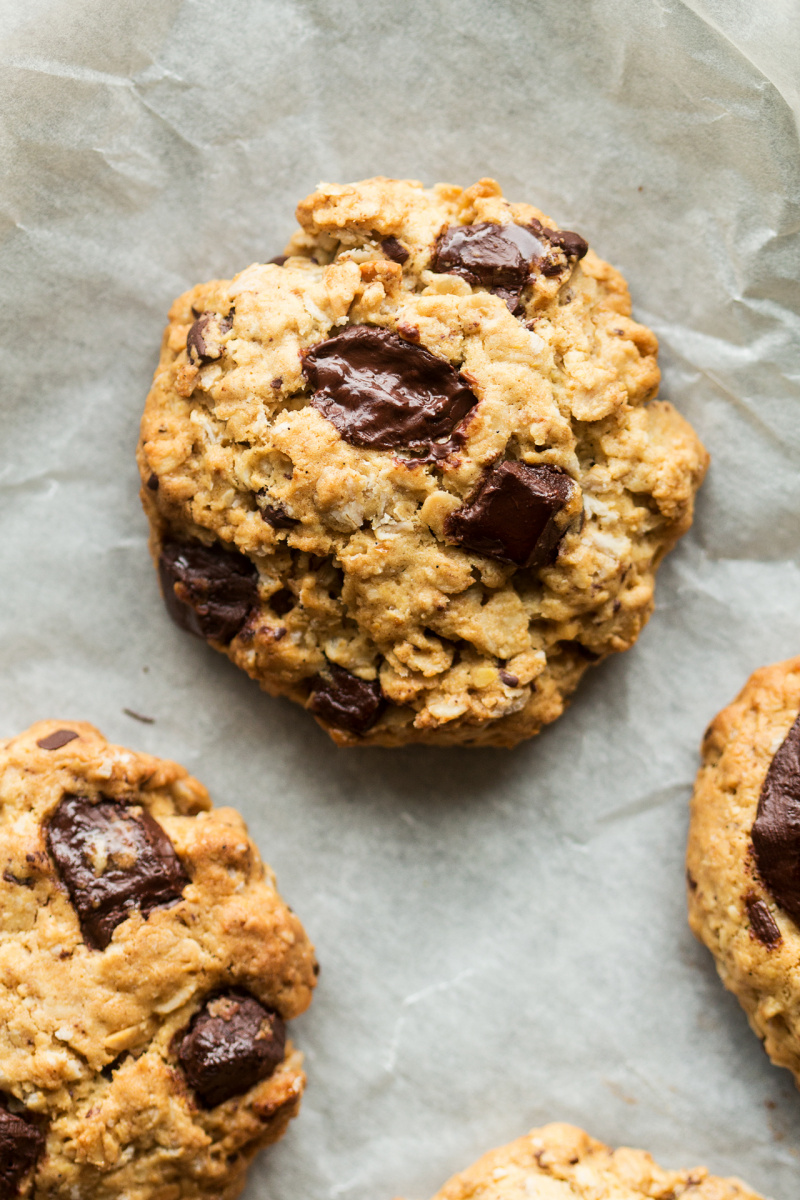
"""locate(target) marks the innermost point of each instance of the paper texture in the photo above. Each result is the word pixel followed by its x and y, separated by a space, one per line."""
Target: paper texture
pixel 502 934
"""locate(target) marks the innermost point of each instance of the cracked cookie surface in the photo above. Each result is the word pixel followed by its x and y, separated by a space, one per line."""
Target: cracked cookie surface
pixel 422 448
pixel 561 1162
pixel 148 966
pixel 743 857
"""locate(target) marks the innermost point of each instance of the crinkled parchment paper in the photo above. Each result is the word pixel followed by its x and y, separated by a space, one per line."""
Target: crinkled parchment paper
pixel 502 934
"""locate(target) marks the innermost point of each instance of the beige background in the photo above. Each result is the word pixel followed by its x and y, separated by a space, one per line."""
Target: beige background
pixel 502 935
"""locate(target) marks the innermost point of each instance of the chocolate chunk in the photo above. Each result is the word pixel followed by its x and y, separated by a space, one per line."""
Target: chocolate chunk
pixel 152 482
pixel 279 260
pixel 395 250
pixel 345 701
pixel 113 858
pixel 277 516
pixel 208 590
pixel 762 923
pixel 57 739
pixel 203 341
pixel 508 678
pixel 776 832
pixel 383 392
pixel 282 602
pixel 511 514
pixel 232 1043
pixel 573 245
pixel 21 1143
pixel 489 255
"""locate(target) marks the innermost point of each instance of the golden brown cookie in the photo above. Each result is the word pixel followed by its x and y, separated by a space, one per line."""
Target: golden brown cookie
pixel 743 859
pixel 147 969
pixel 560 1162
pixel 413 474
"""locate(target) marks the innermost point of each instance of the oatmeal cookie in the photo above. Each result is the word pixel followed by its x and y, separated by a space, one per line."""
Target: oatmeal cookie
pixel 148 967
pixel 743 859
pixel 560 1162
pixel 413 473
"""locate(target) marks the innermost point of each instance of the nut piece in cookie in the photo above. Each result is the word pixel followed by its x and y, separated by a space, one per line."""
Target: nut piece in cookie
pixel 165 967
pixel 561 1162
pixel 743 856
pixel 422 448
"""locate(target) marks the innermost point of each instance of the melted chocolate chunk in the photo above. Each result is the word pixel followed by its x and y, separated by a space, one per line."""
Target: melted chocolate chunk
pixel 345 701
pixel 112 859
pixel 21 1143
pixel 383 392
pixel 282 602
pixel 395 250
pixel 208 590
pixel 573 245
pixel 152 482
pixel 57 739
pixel 762 923
pixel 511 514
pixel 488 255
pixel 232 1043
pixel 277 516
pixel 279 260
pixel 203 341
pixel 776 832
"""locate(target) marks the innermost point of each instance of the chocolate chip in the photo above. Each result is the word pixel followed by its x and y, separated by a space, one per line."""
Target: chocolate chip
pixel 345 701
pixel 776 832
pixel 152 482
pixel 277 516
pixel 383 392
pixel 282 602
pixel 279 260
pixel 21 1143
pixel 573 245
pixel 208 590
pixel 395 250
pixel 113 858
pixel 490 255
pixel 509 679
pixel 203 341
pixel 232 1043
pixel 57 739
pixel 511 514
pixel 762 923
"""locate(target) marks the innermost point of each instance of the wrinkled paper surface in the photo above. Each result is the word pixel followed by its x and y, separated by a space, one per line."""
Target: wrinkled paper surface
pixel 502 934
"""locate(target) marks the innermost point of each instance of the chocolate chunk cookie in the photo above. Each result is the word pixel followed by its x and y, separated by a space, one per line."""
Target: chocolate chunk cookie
pixel 743 859
pixel 148 968
pixel 413 473
pixel 560 1162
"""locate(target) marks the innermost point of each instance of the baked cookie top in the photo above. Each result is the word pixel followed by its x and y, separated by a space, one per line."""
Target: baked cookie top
pixel 561 1162
pixel 743 858
pixel 413 473
pixel 148 968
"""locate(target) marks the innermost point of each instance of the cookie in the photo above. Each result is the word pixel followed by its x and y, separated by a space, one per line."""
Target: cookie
pixel 413 473
pixel 560 1162
pixel 148 968
pixel 743 858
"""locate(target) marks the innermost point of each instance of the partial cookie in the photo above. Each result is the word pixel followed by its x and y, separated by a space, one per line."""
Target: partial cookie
pixel 148 968
pixel 413 473
pixel 743 859
pixel 560 1162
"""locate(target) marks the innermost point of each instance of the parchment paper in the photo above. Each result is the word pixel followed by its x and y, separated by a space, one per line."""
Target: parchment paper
pixel 502 934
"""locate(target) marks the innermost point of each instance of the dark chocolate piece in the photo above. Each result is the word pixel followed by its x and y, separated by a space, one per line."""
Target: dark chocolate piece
pixel 489 255
pixel 776 832
pixel 345 701
pixel 277 516
pixel 511 514
pixel 208 590
pixel 762 923
pixel 152 482
pixel 112 858
pixel 383 392
pixel 203 341
pixel 395 250
pixel 508 678
pixel 282 601
pixel 573 245
pixel 21 1143
pixel 279 260
pixel 57 739
pixel 232 1043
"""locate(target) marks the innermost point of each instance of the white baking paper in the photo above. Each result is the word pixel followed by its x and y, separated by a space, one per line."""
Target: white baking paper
pixel 502 934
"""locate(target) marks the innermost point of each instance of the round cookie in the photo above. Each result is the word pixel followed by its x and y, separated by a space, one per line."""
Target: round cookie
pixel 147 969
pixel 743 857
pixel 413 473
pixel 560 1162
